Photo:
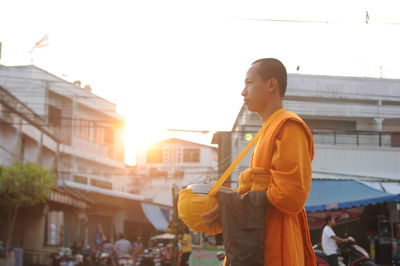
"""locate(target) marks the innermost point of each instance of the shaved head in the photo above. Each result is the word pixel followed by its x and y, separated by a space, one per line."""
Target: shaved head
pixel 273 68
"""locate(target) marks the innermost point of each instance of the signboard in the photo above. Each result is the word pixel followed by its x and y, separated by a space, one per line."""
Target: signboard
pixel 317 219
pixel 200 257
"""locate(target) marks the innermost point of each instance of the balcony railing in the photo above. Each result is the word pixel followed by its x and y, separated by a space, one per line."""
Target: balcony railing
pixel 357 138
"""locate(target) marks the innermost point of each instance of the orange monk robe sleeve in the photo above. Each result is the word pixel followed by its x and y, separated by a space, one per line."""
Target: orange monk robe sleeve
pixel 290 169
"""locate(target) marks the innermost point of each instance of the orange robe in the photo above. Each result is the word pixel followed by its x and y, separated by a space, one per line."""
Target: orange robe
pixel 285 151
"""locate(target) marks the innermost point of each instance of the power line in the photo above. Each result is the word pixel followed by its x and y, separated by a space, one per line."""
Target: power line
pixel 367 21
pixel 190 131
pixel 286 20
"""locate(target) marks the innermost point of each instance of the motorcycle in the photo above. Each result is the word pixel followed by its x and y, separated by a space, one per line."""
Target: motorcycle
pixel 353 255
pixel 64 257
pixel 150 257
pixel 125 260
pixel 104 259
pixel 88 256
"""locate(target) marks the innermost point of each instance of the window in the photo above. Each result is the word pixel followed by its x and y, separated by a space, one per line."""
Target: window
pixel 55 224
pixel 101 183
pixel 82 128
pixel 191 155
pixel 154 156
pixel 81 179
pixel 98 134
pixel 54 115
pixel 331 124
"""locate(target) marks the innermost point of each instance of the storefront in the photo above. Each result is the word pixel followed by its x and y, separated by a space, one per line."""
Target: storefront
pixel 368 214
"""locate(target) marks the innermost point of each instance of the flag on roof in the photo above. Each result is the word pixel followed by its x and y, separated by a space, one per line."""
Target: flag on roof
pixel 41 43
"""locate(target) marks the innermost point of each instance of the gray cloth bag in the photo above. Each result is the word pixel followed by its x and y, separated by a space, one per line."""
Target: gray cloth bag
pixel 242 220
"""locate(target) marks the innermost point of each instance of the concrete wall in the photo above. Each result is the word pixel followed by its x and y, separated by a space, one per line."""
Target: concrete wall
pixel 343 87
pixel 372 161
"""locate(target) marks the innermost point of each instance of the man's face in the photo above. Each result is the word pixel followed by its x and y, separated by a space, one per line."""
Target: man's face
pixel 255 90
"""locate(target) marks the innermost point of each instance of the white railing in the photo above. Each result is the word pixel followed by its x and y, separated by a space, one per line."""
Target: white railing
pixel 357 138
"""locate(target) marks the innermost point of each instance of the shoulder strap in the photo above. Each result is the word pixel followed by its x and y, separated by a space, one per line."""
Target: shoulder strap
pixel 213 191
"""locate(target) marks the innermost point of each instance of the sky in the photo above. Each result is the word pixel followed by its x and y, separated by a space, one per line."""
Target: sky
pixel 181 64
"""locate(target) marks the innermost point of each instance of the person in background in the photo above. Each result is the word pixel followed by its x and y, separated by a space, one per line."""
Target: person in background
pixel 166 255
pixel 123 247
pixel 137 248
pixel 186 242
pixel 329 240
pixel 107 247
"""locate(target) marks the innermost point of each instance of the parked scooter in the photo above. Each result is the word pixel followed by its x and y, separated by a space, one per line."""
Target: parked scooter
pixel 352 255
pixel 88 256
pixel 64 257
pixel 125 260
pixel 149 257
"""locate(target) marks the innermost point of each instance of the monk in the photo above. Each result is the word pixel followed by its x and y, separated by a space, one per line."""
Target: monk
pixel 284 152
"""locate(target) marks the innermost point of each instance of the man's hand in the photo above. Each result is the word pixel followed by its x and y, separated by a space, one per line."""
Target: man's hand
pixel 212 217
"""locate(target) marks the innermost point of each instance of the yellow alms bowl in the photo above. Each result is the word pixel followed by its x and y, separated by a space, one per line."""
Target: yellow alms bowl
pixel 191 205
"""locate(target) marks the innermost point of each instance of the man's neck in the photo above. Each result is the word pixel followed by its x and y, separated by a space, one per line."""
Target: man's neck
pixel 269 110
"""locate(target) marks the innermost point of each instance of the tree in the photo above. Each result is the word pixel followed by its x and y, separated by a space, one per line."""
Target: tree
pixel 23 184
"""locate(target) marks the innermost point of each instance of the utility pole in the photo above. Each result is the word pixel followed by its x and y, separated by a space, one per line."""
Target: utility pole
pixel 175 225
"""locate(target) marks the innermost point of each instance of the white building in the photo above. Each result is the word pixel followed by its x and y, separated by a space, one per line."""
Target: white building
pixel 67 128
pixel 25 137
pixel 174 162
pixel 91 150
pixel 355 123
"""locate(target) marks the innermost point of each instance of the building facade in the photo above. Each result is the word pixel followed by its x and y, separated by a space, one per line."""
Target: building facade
pixel 24 137
pixel 66 128
pixel 89 130
pixel 174 162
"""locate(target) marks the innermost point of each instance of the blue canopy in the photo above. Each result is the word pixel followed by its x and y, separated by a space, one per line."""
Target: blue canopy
pixel 342 194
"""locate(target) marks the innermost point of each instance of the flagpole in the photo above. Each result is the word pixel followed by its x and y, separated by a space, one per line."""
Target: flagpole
pixel 44 41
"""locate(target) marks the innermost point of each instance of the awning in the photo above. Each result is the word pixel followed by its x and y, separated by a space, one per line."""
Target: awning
pixel 163 236
pixel 155 215
pixel 341 194
pixel 389 187
pixel 99 190
pixel 69 196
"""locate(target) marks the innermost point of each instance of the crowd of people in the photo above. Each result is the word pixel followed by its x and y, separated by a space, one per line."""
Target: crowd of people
pixel 135 249
pixel 122 247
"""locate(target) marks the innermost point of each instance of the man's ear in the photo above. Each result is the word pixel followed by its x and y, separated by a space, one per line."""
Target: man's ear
pixel 275 87
pixel 271 84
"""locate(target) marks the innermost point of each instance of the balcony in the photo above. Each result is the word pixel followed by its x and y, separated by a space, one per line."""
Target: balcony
pixel 357 138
